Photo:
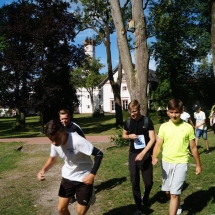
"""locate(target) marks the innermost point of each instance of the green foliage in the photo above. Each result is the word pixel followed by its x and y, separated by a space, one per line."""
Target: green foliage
pixel 181 39
pixel 117 138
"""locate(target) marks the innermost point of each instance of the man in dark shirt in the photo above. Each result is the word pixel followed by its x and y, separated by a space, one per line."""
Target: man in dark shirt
pixel 142 140
pixel 70 126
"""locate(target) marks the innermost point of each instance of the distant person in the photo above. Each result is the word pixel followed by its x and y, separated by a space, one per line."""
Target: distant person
pixel 212 119
pixel 186 117
pixel 174 137
pixel 201 127
pixel 70 126
pixel 78 171
pixel 140 131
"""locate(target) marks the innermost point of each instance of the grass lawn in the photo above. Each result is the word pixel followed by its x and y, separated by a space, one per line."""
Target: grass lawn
pixel 21 193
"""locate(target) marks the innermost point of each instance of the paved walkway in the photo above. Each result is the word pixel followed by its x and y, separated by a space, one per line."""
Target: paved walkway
pixel 45 140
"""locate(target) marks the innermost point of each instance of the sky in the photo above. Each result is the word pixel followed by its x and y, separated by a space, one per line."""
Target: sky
pixel 99 50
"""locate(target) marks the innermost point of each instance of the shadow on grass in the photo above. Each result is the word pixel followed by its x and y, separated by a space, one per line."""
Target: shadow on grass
pixel 110 184
pixel 210 148
pixel 95 125
pixel 197 201
pixel 126 210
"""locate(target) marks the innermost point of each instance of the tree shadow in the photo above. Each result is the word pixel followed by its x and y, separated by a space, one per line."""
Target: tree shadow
pixel 161 196
pixel 126 210
pixel 110 184
pixel 211 149
pixel 197 201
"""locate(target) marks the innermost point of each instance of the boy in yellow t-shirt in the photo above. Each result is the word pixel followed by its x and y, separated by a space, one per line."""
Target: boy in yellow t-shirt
pixel 174 137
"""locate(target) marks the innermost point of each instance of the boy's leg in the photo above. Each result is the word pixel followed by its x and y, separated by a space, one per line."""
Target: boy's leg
pixel 147 175
pixel 174 203
pixel 135 180
pixel 82 209
pixel 63 204
pixel 206 140
pixel 198 135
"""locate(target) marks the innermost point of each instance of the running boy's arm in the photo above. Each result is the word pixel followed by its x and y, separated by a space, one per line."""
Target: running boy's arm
pixel 49 163
pixel 195 153
pixel 148 147
pixel 156 150
pixel 88 179
pixel 211 120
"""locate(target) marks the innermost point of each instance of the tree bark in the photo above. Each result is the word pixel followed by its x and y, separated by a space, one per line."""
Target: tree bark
pixel 136 79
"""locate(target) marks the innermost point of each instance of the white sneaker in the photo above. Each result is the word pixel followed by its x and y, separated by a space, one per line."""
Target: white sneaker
pixel 179 211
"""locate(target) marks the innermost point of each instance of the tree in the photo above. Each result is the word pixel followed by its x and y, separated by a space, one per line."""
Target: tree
pixel 18 58
pixel 181 39
pixel 87 76
pixel 97 16
pixel 40 56
pixel 136 78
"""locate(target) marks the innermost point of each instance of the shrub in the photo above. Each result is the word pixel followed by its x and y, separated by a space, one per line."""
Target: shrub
pixel 117 138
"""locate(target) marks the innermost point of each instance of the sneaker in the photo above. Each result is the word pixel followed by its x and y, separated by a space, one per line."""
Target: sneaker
pixel 72 200
pixel 207 152
pixel 138 212
pixel 179 211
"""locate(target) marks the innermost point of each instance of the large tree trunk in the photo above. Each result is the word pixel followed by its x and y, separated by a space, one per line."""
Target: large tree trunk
pixel 141 53
pixel 115 86
pixel 136 79
pixel 213 34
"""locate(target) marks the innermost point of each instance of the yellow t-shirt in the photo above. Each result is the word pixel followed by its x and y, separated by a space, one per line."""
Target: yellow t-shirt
pixel 176 139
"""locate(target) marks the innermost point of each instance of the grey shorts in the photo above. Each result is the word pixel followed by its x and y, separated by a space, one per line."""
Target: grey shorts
pixel 173 177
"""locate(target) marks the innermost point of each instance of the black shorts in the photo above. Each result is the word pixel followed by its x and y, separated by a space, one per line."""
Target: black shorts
pixel 70 188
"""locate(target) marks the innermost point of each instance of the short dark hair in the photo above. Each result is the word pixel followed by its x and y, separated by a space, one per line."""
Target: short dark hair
pixel 175 104
pixel 134 103
pixel 64 111
pixel 52 127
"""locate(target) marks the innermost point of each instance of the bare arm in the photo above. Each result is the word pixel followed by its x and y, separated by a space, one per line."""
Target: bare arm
pixel 127 136
pixel 203 122
pixel 156 150
pixel 195 153
pixel 49 163
pixel 211 120
pixel 191 122
pixel 148 147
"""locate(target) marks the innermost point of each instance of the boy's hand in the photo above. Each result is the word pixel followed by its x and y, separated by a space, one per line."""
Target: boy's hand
pixel 41 175
pixel 198 170
pixel 154 161
pixel 88 179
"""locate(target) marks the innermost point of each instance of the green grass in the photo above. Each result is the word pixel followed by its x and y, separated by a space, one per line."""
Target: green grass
pixel 20 190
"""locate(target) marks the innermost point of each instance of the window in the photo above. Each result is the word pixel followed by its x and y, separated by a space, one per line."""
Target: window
pixel 124 88
pixel 88 106
pixel 125 104
pixel 112 105
pixel 99 96
pixel 123 77
pixel 88 96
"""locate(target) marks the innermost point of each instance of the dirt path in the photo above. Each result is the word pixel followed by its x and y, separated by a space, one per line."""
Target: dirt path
pixel 45 140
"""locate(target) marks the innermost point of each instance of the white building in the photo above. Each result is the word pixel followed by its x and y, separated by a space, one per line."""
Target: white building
pixel 103 95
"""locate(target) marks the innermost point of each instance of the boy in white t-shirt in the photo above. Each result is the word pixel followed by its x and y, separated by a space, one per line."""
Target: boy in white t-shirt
pixel 201 127
pixel 186 117
pixel 78 171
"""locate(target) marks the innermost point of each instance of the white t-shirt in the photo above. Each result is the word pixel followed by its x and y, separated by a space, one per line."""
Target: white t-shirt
pixel 199 119
pixel 185 116
pixel 76 155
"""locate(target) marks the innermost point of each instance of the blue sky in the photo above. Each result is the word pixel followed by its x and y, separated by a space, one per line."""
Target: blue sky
pixel 99 50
